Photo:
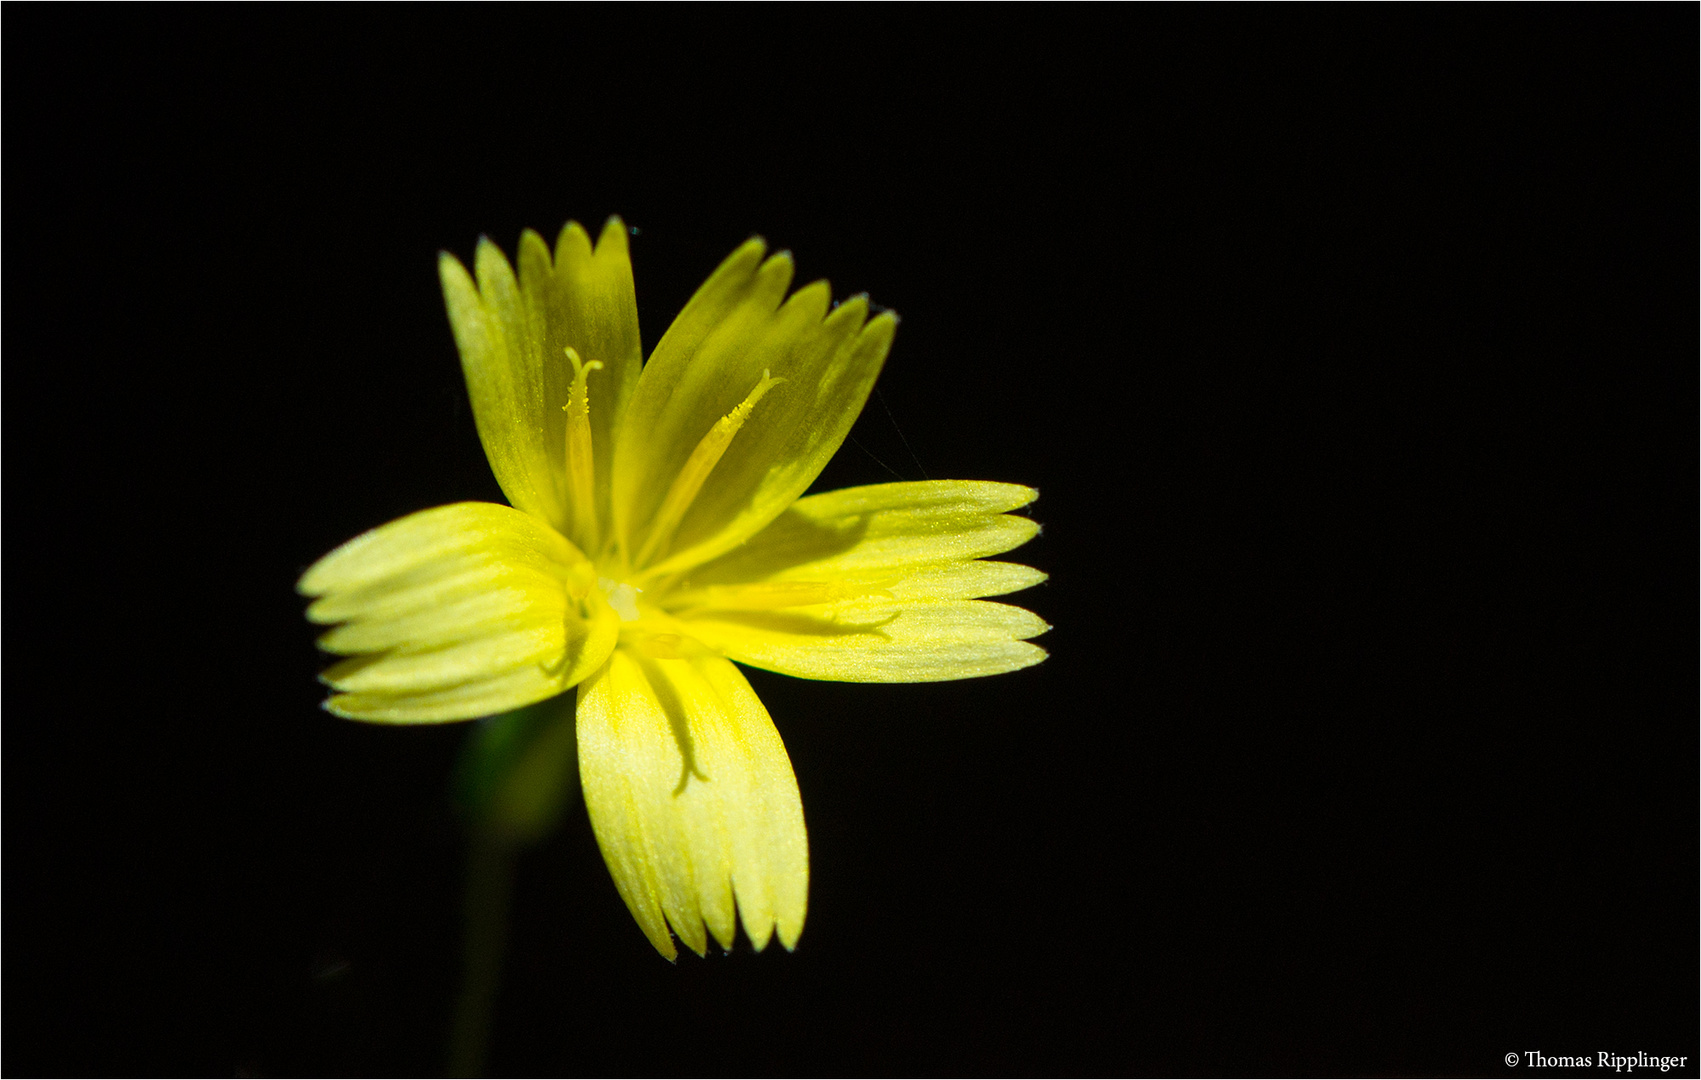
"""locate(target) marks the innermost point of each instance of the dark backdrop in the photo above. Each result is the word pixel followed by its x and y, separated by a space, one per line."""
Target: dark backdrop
pixel 1352 349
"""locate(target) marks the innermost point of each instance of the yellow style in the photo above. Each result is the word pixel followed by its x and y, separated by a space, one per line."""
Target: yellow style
pixel 656 535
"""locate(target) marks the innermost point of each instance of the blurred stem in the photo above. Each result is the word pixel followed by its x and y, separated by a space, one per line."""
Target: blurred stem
pixel 490 884
pixel 516 777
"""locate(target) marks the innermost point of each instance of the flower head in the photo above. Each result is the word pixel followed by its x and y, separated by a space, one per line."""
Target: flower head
pixel 656 535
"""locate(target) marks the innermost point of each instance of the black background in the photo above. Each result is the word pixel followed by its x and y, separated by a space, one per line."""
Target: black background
pixel 1352 349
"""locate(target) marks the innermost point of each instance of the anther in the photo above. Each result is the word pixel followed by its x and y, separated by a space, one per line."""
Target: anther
pixel 697 468
pixel 581 475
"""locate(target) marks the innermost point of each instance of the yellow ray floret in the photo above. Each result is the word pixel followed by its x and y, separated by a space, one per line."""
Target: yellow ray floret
pixel 513 333
pixel 657 533
pixel 465 610
pixel 693 801
pixel 892 574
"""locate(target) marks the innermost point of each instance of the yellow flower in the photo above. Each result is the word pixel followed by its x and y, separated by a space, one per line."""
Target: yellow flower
pixel 656 535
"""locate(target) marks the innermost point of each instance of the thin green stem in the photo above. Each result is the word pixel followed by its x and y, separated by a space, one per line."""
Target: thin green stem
pixel 490 883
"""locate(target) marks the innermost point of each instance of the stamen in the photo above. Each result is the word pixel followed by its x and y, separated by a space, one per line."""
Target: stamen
pixel 697 468
pixel 581 476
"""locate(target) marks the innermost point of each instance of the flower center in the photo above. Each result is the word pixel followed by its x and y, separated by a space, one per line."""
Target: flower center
pixel 654 634
pixel 623 598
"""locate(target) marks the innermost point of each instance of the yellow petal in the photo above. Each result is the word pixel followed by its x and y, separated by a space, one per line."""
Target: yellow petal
pixel 512 334
pixel 504 381
pixel 876 640
pixel 460 611
pixel 947 581
pixel 914 540
pixel 832 365
pixel 485 649
pixel 485 697
pixel 733 331
pixel 586 302
pixel 961 581
pixel 693 800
